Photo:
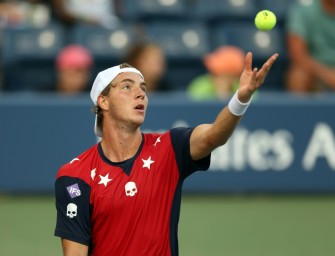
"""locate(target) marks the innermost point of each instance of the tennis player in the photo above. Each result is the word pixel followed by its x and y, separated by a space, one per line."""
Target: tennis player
pixel 121 197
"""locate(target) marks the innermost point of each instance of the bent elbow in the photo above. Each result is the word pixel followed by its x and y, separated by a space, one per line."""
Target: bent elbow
pixel 212 142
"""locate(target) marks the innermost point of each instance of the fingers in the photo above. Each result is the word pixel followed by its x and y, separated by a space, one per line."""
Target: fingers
pixel 248 62
pixel 253 80
pixel 252 76
pixel 266 67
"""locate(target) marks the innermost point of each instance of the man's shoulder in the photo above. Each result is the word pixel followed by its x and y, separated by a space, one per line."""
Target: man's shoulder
pixel 308 10
pixel 155 134
pixel 300 19
pixel 80 166
pixel 152 138
pixel 172 134
pixel 166 134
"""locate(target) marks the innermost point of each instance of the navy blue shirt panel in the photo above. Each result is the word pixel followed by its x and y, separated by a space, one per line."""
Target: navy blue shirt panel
pixel 180 138
pixel 73 210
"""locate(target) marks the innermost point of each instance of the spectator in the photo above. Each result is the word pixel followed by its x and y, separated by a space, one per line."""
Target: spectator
pixel 148 57
pixel 10 14
pixel 310 37
pixel 73 69
pixel 19 14
pixel 96 12
pixel 224 67
pixel 24 13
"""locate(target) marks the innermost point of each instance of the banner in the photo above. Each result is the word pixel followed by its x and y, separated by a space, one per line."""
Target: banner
pixel 283 143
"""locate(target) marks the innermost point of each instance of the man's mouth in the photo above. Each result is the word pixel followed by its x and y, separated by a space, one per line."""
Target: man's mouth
pixel 140 107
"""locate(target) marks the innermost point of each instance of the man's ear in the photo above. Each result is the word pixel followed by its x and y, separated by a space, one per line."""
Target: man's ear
pixel 103 102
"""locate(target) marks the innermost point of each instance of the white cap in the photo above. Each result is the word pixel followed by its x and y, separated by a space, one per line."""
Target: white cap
pixel 102 80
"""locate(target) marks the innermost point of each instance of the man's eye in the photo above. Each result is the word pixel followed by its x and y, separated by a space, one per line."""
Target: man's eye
pixel 126 87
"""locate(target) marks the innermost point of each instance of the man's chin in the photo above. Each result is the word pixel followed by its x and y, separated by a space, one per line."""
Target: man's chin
pixel 138 122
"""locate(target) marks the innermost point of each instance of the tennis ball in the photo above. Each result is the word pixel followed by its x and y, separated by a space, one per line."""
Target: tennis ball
pixel 265 20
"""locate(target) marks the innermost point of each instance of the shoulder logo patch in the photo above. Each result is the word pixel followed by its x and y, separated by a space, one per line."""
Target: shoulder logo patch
pixel 74 190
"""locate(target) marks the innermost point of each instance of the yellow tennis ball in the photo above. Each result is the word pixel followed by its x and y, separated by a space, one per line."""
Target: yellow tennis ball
pixel 265 20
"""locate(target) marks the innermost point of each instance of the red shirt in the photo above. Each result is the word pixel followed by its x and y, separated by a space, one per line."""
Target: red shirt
pixel 131 207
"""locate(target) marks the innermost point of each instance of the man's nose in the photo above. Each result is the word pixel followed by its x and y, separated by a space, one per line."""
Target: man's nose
pixel 139 93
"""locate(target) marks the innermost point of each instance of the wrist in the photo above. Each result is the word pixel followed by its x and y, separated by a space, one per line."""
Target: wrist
pixel 242 98
pixel 236 107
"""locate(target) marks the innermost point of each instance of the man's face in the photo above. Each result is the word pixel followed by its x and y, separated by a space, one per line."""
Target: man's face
pixel 127 100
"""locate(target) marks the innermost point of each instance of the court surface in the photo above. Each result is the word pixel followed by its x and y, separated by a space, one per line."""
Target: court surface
pixel 234 225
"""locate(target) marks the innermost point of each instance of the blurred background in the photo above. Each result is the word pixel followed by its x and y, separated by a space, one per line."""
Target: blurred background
pixel 269 190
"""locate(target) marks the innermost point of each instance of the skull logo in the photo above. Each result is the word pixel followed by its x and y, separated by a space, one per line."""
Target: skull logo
pixel 130 188
pixel 71 210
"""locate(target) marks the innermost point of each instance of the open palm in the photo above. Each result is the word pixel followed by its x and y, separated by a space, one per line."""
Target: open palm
pixel 252 78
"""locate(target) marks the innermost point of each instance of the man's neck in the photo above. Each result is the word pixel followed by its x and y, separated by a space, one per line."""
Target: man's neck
pixel 119 146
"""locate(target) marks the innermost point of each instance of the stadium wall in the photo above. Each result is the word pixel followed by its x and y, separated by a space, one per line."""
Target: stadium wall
pixel 285 143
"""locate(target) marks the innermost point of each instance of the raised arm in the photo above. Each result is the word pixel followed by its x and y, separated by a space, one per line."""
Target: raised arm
pixel 206 137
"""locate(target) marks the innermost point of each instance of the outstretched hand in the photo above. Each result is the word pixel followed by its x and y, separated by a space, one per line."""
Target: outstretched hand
pixel 252 78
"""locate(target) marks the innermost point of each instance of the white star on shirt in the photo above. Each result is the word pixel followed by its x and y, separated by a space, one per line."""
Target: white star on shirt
pixel 147 163
pixel 158 140
pixel 74 159
pixel 93 173
pixel 104 179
